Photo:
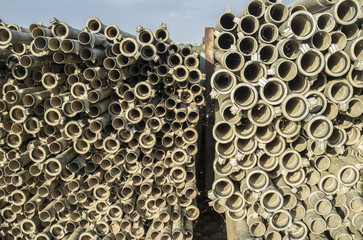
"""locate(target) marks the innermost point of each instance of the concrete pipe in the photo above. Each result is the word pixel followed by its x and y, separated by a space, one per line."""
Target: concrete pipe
pixel 321 40
pixel 256 225
pixel 255 8
pixel 338 91
pixel 287 128
pixel 265 134
pixel 261 114
pixel 301 25
pixel 319 128
pixel 268 33
pixel 266 162
pixel 311 62
pixel 337 63
pixel 253 72
pixel 314 222
pixel 224 40
pixel 311 6
pixel 222 82
pixel 271 199
pixel 325 21
pixel 230 60
pixel 328 183
pixel 257 179
pixel 345 12
pixel 296 178
pixel 267 53
pixel 276 13
pixel 280 220
pixel 243 97
pixel 247 25
pixel 247 45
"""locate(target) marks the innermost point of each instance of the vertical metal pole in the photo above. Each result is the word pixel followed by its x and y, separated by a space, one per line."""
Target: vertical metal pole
pixel 210 109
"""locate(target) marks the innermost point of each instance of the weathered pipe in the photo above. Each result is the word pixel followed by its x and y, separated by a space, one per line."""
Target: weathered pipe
pixel 247 45
pixel 255 8
pixel 223 188
pixel 62 30
pixel 350 31
pixel 256 225
pixel 231 60
pixel 223 132
pixel 321 40
pixel 247 25
pixel 261 114
pixel 328 183
pixel 86 38
pixel 345 12
pixel 315 222
pixel 267 53
pixel 92 54
pixel 224 40
pixel 354 49
pixel 295 107
pixel 337 63
pixel 271 199
pixel 319 201
pixel 265 134
pixel 225 21
pixel 339 91
pixel 339 38
pixel 311 62
pixel 54 166
pixel 276 13
pixel 301 25
pixel 287 128
pixel 226 113
pixel 325 21
pixel 257 179
pixel 243 97
pixel 253 71
pixel 112 33
pixel 10 36
pixel 268 33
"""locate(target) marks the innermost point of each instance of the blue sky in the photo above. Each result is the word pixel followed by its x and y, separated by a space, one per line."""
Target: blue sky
pixel 185 19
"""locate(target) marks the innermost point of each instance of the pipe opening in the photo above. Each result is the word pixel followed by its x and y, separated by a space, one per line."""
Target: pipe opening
pixel 86 54
pixel 355 107
pixel 248 46
pixel 291 161
pixel 244 96
pixel 273 91
pixel 223 81
pixel 338 62
pixel 246 145
pixel 128 47
pixel 296 107
pixel 275 146
pixel 347 11
pixel 5 35
pixel 226 40
pixel 301 25
pixel 269 33
pixel 281 220
pixel 261 113
pixel 223 131
pixel 77 106
pixel 310 61
pixel 60 30
pixel 255 8
pixel 257 229
pixel 351 31
pixel 321 40
pixel 234 61
pixel 329 184
pixel 226 21
pixel 268 53
pixel 257 180
pixel 278 12
pixel 272 201
pixel 249 24
pixel 223 188
pixel 253 72
pixel 326 22
pixel 340 91
pixel 112 32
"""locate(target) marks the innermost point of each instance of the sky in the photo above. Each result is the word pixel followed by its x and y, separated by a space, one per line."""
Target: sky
pixel 185 19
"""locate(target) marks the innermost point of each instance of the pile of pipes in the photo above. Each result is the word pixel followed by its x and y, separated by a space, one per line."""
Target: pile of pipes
pixel 98 133
pixel 289 150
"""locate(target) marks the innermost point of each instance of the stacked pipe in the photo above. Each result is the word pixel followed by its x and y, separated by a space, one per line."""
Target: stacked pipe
pixel 98 133
pixel 288 82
